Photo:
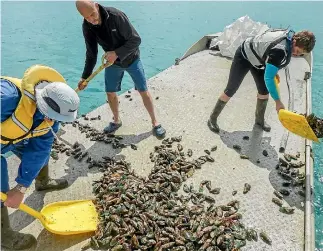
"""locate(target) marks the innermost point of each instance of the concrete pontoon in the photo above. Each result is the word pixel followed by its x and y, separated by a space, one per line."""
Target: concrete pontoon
pixel 187 93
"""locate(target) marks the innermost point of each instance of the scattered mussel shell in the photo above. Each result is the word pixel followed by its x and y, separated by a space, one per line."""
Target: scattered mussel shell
pixel 214 148
pixel 54 155
pixel 278 194
pixel 246 188
pixel 207 151
pixel 133 146
pixel 277 201
pixel 284 192
pixel 287 210
pixel 243 156
pixel 237 147
pixel 265 237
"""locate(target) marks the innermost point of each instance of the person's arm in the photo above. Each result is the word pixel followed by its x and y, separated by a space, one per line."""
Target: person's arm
pixel 91 51
pixel 270 73
pixel 9 99
pixel 34 156
pixel 274 61
pixel 128 32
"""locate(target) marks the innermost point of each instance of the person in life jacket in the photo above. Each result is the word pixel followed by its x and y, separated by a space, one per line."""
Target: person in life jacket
pixel 263 55
pixel 31 109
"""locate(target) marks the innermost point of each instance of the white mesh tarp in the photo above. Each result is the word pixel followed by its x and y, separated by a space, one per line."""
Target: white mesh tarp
pixel 235 33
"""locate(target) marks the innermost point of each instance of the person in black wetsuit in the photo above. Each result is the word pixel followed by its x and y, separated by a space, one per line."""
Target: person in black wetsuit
pixel 263 55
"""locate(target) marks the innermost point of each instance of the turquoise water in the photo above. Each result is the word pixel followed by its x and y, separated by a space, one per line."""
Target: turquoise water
pixel 50 33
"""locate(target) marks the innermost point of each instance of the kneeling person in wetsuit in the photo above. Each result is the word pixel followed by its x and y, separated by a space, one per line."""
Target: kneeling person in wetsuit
pixel 31 109
pixel 263 55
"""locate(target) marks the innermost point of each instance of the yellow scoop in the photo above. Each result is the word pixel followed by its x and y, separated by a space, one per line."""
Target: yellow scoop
pixel 296 124
pixel 65 217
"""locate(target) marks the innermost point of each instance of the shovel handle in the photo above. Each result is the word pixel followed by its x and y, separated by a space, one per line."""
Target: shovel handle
pixel 102 66
pixel 25 208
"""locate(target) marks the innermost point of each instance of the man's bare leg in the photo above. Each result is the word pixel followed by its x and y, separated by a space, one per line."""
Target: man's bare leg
pixel 148 102
pixel 114 106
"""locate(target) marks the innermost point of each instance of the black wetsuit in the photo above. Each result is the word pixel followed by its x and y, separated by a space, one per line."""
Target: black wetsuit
pixel 240 67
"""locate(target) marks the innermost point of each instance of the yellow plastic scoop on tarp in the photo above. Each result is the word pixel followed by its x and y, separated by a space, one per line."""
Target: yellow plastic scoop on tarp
pixel 296 124
pixel 65 217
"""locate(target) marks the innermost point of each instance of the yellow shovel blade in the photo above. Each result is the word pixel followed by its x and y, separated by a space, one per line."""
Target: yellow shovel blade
pixel 296 124
pixel 65 217
pixel 70 217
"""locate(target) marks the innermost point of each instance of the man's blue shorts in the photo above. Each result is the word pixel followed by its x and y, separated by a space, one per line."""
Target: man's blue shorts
pixel 114 75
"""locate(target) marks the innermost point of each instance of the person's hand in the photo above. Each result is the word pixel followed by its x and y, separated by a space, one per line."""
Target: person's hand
pixel 79 85
pixel 111 56
pixel 279 105
pixel 278 78
pixel 14 198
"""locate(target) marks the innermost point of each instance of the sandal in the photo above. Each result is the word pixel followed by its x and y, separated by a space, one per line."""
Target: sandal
pixel 159 131
pixel 112 127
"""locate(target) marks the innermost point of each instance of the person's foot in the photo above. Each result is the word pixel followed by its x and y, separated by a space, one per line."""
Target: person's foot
pixel 264 126
pixel 260 114
pixel 159 131
pixel 14 240
pixel 213 126
pixel 112 127
pixel 51 184
pixel 213 120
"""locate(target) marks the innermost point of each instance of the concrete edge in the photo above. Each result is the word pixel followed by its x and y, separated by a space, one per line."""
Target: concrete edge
pixel 309 231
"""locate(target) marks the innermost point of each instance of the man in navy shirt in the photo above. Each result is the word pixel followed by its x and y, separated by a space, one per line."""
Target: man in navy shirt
pixel 112 30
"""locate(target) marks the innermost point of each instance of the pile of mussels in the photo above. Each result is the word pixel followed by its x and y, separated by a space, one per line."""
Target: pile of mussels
pixel 293 180
pixel 137 213
pixel 316 124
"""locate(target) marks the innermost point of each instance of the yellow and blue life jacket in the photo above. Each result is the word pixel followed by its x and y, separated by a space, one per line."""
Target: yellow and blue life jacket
pixel 19 125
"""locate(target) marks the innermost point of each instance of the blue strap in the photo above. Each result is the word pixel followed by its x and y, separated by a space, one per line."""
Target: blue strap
pixel 270 73
pixel 290 35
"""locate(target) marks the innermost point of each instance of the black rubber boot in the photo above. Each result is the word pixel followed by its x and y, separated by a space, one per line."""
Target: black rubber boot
pixel 212 122
pixel 13 239
pixel 44 182
pixel 260 114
